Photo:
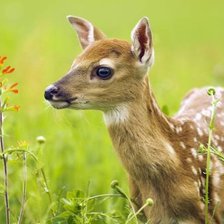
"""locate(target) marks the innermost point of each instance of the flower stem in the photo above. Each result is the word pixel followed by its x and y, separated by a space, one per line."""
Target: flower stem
pixel 102 196
pixel 115 185
pixel 135 214
pixel 5 168
pixel 24 189
pixel 208 162
pixel 207 179
pixel 42 173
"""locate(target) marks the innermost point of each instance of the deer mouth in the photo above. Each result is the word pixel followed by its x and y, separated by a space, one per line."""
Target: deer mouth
pixel 61 104
pixel 73 103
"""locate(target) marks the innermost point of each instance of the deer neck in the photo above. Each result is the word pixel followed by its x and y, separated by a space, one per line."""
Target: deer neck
pixel 140 133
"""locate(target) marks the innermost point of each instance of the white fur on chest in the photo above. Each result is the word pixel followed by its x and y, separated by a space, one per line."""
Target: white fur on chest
pixel 117 115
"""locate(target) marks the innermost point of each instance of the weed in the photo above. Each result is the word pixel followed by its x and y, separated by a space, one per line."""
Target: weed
pixel 21 149
pixel 4 106
pixel 209 149
pixel 78 207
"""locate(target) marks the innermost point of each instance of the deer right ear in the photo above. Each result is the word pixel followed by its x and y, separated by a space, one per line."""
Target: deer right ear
pixel 141 37
pixel 87 33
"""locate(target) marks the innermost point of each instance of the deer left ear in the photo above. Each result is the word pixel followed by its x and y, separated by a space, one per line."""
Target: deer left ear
pixel 87 33
pixel 141 37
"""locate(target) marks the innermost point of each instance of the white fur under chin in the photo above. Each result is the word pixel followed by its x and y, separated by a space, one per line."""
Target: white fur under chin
pixel 59 105
pixel 117 115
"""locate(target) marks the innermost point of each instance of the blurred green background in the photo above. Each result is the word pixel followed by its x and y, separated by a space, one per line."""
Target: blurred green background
pixel 41 44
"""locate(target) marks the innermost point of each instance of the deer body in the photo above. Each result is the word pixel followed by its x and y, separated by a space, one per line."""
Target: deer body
pixel 161 157
pixel 158 152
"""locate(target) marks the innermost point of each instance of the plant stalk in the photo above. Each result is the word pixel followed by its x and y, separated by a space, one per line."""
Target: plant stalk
pixel 207 179
pixel 208 162
pixel 24 189
pixel 5 168
pixel 42 172
pixel 135 214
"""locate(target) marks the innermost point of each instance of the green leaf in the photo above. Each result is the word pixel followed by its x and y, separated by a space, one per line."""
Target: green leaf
pixel 165 109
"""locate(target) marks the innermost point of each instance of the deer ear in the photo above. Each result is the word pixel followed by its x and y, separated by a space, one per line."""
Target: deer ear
pixel 141 37
pixel 87 33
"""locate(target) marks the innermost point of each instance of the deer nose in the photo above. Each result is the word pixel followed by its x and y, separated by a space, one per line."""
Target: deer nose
pixel 50 92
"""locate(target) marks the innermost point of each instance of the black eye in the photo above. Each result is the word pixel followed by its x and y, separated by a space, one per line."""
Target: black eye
pixel 104 72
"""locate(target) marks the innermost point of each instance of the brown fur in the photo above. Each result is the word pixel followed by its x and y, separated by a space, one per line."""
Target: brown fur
pixel 169 181
pixel 158 152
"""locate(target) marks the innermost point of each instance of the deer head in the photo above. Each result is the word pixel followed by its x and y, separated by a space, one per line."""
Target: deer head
pixel 107 73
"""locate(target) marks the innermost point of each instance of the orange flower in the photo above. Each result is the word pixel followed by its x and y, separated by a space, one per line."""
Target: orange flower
pixel 2 59
pixel 5 88
pixel 12 88
pixel 14 85
pixel 8 70
pixel 16 91
pixel 10 108
pixel 16 108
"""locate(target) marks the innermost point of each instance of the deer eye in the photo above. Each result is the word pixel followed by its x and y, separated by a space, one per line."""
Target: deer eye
pixel 104 72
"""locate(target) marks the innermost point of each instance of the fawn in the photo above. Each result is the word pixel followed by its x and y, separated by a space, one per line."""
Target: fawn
pixel 158 152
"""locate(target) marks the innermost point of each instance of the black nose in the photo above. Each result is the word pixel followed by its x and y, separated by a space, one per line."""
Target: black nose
pixel 50 92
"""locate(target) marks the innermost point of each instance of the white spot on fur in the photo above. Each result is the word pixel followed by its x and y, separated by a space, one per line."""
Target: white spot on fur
pixel 219 149
pixel 202 206
pixel 206 113
pixel 194 153
pixel 184 120
pixel 117 115
pixel 217 137
pixel 218 171
pixel 196 184
pixel 189 160
pixel 197 187
pixel 200 158
pixel 216 178
pixel 178 129
pixel 215 141
pixel 203 181
pixel 198 117
pixel 171 126
pixel 182 145
pixel 170 149
pixel 200 133
pixel 195 140
pixel 194 171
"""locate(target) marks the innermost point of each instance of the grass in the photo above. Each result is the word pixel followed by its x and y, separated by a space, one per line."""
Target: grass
pixel 211 92
pixel 188 39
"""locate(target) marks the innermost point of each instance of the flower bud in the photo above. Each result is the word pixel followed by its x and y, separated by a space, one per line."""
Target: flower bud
pixel 114 184
pixel 149 201
pixel 41 139
pixel 211 91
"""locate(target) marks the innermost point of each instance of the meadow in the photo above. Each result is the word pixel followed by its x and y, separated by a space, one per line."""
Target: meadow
pixel 41 45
